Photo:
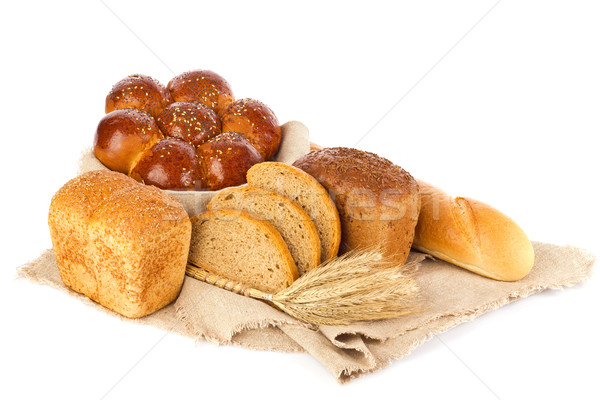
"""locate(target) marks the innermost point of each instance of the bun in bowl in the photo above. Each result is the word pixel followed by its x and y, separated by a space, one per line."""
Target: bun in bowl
pixel 225 159
pixel 122 136
pixel 193 122
pixel 199 152
pixel 140 92
pixel 256 122
pixel 202 86
pixel 169 164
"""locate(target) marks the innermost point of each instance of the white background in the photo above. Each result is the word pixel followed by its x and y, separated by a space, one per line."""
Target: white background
pixel 505 109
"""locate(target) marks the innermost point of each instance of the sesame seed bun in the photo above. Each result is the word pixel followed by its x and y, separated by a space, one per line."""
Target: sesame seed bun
pixel 256 122
pixel 169 164
pixel 122 135
pixel 193 122
pixel 140 92
pixel 202 86
pixel 225 159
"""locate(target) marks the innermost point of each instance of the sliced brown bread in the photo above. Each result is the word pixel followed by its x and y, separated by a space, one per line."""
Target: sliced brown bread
pixel 243 248
pixel 308 193
pixel 294 224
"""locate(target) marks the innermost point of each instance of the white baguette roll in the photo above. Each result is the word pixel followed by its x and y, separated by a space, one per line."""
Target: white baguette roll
pixel 472 235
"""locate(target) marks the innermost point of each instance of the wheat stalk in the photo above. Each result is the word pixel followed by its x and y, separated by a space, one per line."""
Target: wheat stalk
pixel 357 286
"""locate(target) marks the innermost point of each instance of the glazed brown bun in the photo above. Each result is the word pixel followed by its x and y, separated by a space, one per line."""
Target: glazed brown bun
pixel 225 159
pixel 472 235
pixel 140 92
pixel 122 136
pixel 193 122
pixel 378 201
pixel 169 164
pixel 201 86
pixel 256 122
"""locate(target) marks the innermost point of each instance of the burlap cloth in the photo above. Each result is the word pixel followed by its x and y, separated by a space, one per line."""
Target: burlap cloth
pixel 449 294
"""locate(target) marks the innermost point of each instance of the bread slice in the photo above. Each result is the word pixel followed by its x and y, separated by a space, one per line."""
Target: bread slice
pixel 241 247
pixel 294 224
pixel 302 188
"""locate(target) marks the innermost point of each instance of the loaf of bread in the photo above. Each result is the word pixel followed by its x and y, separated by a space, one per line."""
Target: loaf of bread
pixel 243 248
pixel 472 235
pixel 378 201
pixel 122 244
pixel 294 224
pixel 305 191
pixel 141 113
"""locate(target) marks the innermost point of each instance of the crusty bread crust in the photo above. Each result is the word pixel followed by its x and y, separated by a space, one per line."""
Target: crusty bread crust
pixel 472 235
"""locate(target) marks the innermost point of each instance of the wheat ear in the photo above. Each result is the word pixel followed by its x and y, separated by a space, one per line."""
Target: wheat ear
pixel 357 286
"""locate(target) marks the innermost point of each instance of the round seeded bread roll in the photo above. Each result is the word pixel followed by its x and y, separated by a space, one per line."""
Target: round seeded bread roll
pixel 122 136
pixel 202 86
pixel 169 164
pixel 193 122
pixel 140 92
pixel 378 201
pixel 225 159
pixel 256 122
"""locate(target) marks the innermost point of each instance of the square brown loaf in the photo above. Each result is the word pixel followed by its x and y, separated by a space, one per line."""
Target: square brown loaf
pixel 122 244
